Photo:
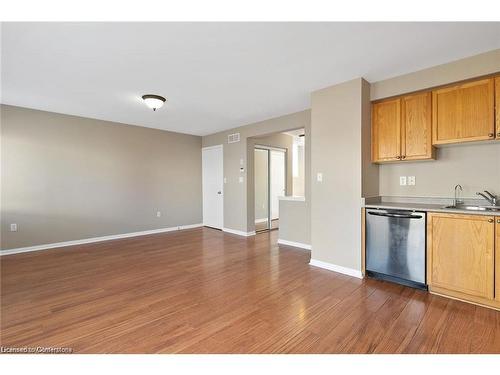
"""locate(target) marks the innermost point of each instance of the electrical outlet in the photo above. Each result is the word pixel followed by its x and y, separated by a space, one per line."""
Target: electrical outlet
pixel 319 177
pixel 411 180
pixel 402 180
pixel 13 227
pixel 158 213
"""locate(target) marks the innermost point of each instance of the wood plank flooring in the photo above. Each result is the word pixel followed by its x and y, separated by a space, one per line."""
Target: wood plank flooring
pixel 203 291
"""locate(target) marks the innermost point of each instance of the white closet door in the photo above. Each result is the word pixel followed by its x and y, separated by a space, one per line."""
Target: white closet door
pixel 213 184
pixel 278 184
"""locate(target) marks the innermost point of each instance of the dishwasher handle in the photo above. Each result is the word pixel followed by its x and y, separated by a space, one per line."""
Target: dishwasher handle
pixel 388 214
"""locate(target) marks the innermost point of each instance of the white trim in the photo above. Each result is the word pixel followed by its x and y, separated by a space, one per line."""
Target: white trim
pixel 261 220
pixel 292 198
pixel 238 232
pixel 95 239
pixel 335 268
pixel 294 244
pixel 271 148
pixel 213 147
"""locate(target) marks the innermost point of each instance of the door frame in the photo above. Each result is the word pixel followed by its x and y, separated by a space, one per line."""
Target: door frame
pixel 269 149
pixel 215 147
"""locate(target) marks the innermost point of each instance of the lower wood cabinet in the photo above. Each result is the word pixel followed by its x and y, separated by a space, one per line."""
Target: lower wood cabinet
pixel 497 260
pixel 461 257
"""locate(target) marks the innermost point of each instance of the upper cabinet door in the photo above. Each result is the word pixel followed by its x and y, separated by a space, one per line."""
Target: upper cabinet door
pixel 463 113
pixel 416 121
pixel 386 130
pixel 497 105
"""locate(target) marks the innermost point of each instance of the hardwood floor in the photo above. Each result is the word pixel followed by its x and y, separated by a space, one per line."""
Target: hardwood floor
pixel 203 291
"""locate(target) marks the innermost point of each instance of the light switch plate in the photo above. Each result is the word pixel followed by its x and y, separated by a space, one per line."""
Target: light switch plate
pixel 225 180
pixel 13 227
pixel 158 213
pixel 402 180
pixel 411 180
pixel 319 177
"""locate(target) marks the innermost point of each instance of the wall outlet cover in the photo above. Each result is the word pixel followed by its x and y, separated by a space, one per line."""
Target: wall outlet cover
pixel 319 177
pixel 411 180
pixel 402 180
pixel 158 213
pixel 240 179
pixel 13 227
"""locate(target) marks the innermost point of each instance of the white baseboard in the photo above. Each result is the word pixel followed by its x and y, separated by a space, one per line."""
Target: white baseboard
pixel 95 239
pixel 257 221
pixel 294 244
pixel 238 232
pixel 335 268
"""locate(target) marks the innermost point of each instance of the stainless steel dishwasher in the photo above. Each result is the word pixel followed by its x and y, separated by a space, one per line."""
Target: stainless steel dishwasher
pixel 395 246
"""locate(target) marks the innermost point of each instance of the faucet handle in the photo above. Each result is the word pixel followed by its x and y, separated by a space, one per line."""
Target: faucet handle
pixel 489 194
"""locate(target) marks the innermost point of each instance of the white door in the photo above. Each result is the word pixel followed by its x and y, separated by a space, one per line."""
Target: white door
pixel 213 184
pixel 278 183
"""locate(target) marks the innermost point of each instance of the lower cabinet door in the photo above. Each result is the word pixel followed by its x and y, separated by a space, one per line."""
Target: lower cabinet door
pixel 460 250
pixel 497 259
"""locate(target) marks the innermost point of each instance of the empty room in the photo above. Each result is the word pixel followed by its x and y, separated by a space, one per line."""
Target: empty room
pixel 250 188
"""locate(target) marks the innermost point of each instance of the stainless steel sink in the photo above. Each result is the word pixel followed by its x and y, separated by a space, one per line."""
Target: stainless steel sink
pixel 474 208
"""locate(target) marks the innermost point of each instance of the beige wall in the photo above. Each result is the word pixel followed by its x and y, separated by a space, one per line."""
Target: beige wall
pixel 239 197
pixel 474 166
pixel 293 222
pixel 299 180
pixel 339 121
pixel 67 178
pixel 471 67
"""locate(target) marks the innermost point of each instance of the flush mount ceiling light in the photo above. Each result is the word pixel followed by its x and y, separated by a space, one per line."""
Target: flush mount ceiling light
pixel 154 101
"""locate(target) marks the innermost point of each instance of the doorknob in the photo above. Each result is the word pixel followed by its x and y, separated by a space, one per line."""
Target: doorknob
pixel 219 192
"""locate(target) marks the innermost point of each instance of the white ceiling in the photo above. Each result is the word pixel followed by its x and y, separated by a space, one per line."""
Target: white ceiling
pixel 215 76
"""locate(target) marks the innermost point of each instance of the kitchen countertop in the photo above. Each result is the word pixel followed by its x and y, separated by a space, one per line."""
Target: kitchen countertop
pixel 428 208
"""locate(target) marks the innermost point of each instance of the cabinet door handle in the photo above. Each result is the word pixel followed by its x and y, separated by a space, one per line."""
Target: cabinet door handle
pixel 398 157
pixel 490 220
pixel 491 135
pixel 498 221
pixel 403 157
pixel 498 135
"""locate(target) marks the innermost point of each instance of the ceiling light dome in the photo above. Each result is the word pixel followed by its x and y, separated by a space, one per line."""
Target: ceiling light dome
pixel 154 101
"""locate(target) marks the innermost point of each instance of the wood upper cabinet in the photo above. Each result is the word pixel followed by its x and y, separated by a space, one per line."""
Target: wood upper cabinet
pixel 497 106
pixel 386 130
pixel 460 256
pixel 402 128
pixel 464 112
pixel 416 127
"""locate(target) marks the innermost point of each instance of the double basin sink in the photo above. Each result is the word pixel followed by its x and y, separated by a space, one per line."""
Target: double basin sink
pixel 474 208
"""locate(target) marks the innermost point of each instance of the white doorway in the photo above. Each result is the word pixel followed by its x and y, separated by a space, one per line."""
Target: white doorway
pixel 213 186
pixel 270 184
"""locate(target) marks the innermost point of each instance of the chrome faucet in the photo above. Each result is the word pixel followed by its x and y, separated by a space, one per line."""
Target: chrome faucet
pixel 457 201
pixel 489 197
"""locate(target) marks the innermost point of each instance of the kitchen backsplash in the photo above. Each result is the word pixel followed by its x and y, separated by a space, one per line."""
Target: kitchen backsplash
pixel 474 166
